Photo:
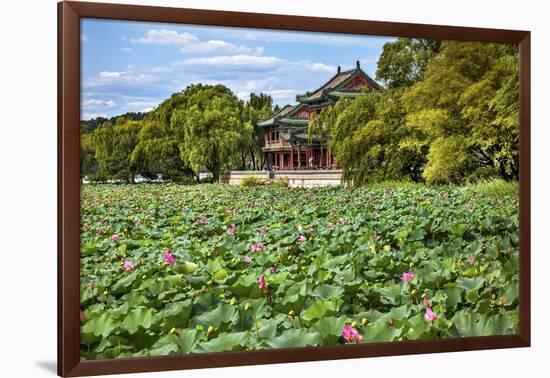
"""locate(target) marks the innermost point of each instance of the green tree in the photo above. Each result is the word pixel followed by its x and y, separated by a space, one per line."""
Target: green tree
pixel 365 135
pixel 404 61
pixel 157 152
pixel 465 112
pixel 208 128
pixel 114 145
pixel 88 161
pixel 258 107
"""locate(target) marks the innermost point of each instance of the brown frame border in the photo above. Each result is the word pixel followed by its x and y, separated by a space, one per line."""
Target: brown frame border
pixel 69 14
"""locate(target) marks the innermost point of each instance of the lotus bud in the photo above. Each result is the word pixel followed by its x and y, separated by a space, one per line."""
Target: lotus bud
pixel 354 324
pixel 247 306
pixel 291 313
pixel 173 330
pixel 364 321
pixel 413 292
pixel 232 301
pixel 210 330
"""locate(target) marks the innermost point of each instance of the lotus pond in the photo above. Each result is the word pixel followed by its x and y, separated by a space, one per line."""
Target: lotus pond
pixel 171 269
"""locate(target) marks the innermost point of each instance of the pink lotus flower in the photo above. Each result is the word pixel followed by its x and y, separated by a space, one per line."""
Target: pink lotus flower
pixel 413 208
pixel 351 335
pixel 261 283
pixel 115 237
pixel 407 276
pixel 273 269
pixel 470 260
pixel 231 229
pixel 426 302
pixel 262 231
pixel 127 265
pixel 430 316
pixel 202 220
pixel 301 238
pixel 257 247
pixel 85 227
pixel 311 230
pixel 246 258
pixel 168 258
pixel 343 221
pixel 330 226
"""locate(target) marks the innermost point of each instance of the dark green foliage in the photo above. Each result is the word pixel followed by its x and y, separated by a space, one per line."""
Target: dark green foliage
pixel 200 127
pixel 450 115
pixel 404 62
pixel 461 244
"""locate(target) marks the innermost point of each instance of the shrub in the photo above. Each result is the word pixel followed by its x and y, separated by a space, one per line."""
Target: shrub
pixel 252 181
pixel 184 180
pixel 207 180
pixel 280 182
pixel 495 187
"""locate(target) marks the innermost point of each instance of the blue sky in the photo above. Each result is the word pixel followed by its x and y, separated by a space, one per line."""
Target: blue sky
pixel 133 66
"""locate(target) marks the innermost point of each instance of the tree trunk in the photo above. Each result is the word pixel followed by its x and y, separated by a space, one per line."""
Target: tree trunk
pixel 253 159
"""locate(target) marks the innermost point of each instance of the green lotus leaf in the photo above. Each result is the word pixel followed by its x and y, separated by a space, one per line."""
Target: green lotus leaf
pixel 166 345
pixel 474 283
pixel 225 342
pixel 381 331
pixel 98 326
pixel 326 292
pixel 138 318
pixel 320 309
pixel 188 339
pixel 473 324
pixel 223 313
pixel 294 338
pixel 329 328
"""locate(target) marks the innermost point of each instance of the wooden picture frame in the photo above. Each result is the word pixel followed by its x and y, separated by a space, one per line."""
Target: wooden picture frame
pixel 69 15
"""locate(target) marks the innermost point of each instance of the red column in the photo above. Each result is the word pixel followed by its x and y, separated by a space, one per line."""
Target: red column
pixel 291 157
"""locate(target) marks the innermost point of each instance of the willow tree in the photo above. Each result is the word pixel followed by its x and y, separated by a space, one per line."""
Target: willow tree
pixel 208 128
pixel 465 111
pixel 365 136
pixel 114 145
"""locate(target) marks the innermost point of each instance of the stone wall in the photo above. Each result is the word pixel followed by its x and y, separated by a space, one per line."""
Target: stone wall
pixel 296 179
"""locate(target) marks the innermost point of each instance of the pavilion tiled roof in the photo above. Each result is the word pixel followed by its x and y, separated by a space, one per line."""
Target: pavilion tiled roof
pixel 281 113
pixel 346 84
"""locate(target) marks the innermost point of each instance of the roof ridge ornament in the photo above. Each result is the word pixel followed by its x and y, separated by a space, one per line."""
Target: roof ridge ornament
pixel 358 65
pixel 339 69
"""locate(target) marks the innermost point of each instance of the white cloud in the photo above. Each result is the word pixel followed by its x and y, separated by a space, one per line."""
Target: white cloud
pixel 94 103
pixel 166 37
pixel 158 69
pixel 325 39
pixel 189 43
pixel 129 77
pixel 233 60
pixel 222 46
pixel 126 49
pixel 110 74
pixel 83 37
pixel 283 94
